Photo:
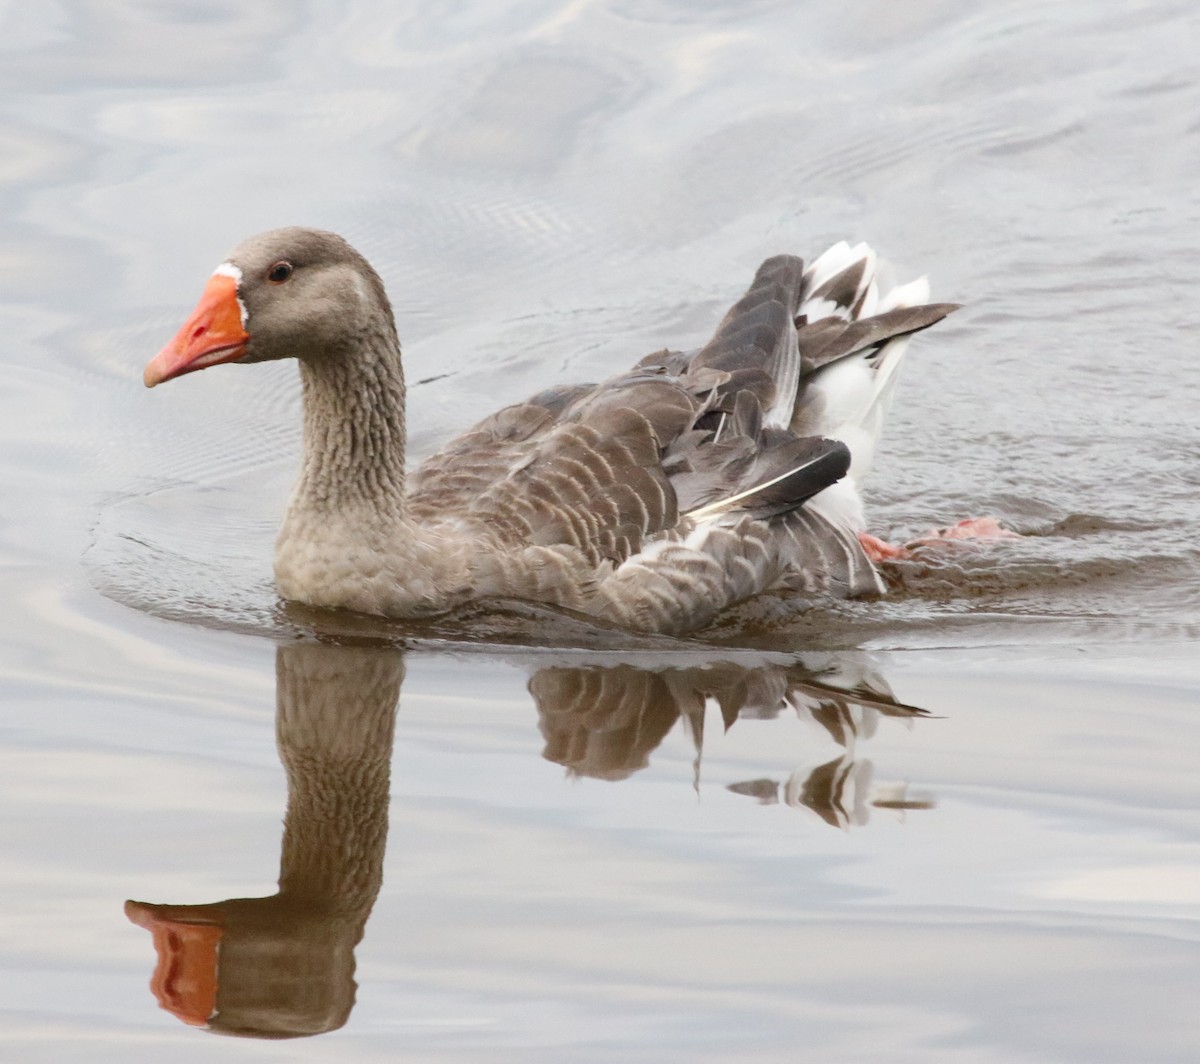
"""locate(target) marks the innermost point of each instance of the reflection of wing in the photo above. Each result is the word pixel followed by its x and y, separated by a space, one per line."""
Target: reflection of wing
pixel 838 791
pixel 605 721
pixel 846 695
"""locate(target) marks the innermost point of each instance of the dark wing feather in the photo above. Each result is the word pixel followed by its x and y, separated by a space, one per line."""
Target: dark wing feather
pixel 781 476
pixel 742 384
pixel 829 339
pixel 843 288
pixel 755 342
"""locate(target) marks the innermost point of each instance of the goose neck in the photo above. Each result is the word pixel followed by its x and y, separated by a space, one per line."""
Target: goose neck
pixel 354 432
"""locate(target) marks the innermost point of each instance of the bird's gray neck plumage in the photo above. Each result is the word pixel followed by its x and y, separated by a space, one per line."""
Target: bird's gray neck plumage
pixel 347 540
pixel 354 429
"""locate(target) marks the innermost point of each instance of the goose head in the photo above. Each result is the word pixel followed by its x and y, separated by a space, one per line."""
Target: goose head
pixel 287 293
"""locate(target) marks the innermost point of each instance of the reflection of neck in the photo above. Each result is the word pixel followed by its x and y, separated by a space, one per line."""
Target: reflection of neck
pixel 283 966
pixel 336 713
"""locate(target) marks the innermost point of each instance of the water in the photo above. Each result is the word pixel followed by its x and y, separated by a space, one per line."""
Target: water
pixel 551 190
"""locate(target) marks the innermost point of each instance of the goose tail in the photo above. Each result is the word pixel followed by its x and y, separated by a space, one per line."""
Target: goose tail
pixel 853 329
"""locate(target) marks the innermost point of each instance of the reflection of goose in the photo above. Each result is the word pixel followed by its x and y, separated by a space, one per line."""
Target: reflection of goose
pixel 653 501
pixel 606 721
pixel 283 966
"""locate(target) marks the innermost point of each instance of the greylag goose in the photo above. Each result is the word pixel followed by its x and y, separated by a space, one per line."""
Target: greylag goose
pixel 654 500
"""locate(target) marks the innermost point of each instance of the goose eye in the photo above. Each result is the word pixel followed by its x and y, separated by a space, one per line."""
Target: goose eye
pixel 279 272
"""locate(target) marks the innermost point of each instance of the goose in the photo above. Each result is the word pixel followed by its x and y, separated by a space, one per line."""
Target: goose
pixel 652 501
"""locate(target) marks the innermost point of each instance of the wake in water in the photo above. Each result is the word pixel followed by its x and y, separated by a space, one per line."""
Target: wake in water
pixel 202 556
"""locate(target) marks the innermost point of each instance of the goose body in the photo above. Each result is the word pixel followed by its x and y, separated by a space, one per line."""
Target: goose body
pixel 653 500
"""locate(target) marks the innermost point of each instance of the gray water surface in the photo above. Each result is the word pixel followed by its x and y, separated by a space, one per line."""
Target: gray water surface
pixel 617 852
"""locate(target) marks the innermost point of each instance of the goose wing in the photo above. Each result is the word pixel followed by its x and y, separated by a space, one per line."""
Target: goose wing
pixel 719 417
pixel 663 496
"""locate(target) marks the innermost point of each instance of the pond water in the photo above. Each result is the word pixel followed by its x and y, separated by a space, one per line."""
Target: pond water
pixel 958 824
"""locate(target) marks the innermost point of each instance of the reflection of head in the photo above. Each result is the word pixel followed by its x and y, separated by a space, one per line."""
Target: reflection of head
pixel 289 978
pixel 246 967
pixel 283 966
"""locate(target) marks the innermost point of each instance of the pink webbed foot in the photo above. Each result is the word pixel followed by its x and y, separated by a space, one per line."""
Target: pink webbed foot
pixel 976 529
pixel 973 529
pixel 879 550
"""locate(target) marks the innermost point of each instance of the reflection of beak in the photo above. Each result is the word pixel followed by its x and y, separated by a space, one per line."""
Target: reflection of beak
pixel 185 979
pixel 212 335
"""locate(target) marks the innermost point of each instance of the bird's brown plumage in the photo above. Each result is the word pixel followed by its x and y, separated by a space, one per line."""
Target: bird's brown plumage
pixel 654 500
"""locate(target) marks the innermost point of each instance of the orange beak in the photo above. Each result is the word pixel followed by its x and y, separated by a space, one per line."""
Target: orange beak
pixel 212 335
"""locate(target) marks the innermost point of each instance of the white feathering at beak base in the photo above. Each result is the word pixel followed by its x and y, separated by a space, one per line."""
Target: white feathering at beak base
pixel 228 269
